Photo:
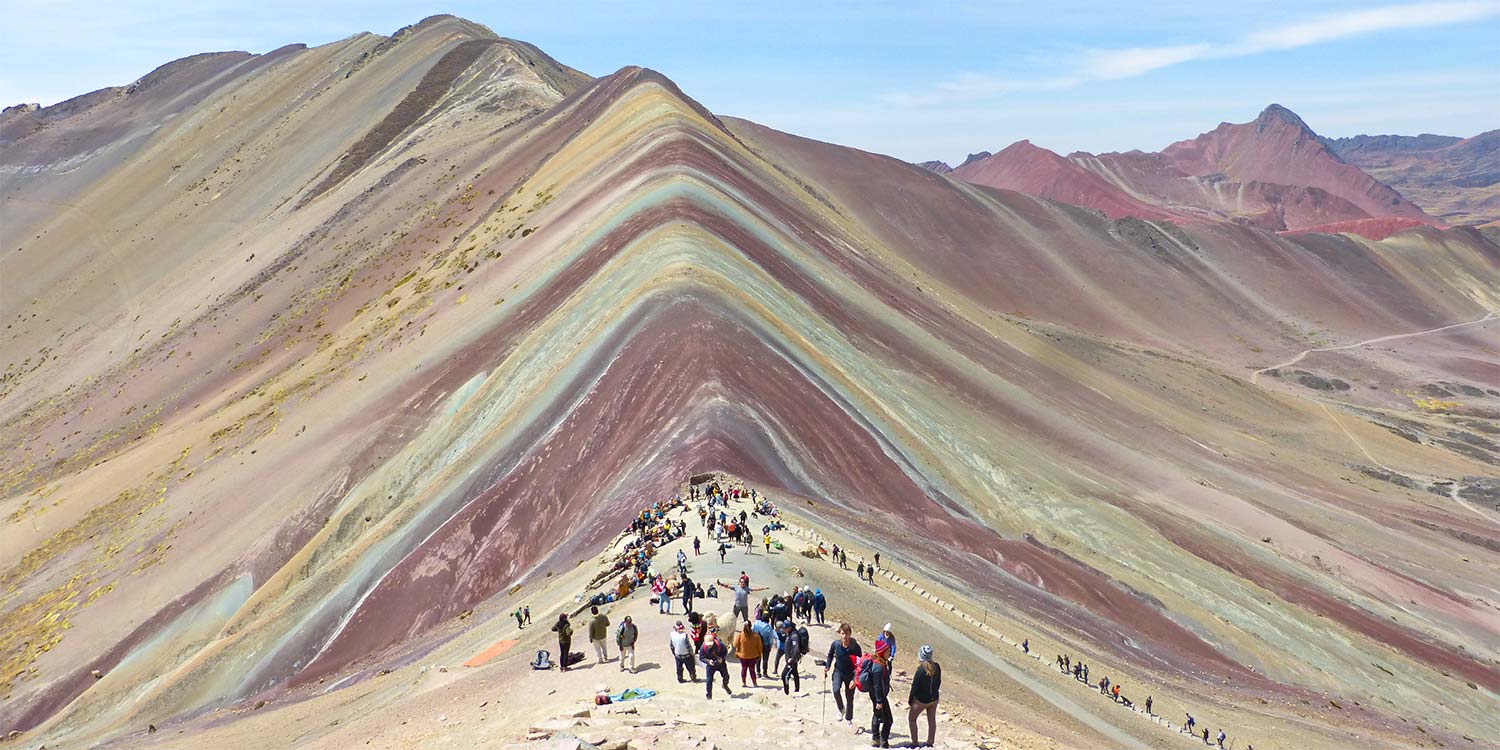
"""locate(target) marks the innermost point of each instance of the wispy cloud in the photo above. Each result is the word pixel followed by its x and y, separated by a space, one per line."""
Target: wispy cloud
pixel 1114 64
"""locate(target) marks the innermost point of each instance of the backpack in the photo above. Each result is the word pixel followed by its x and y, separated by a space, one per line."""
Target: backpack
pixel 543 660
pixel 803 639
pixel 863 673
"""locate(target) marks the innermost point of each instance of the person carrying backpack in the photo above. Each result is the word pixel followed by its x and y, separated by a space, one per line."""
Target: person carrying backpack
pixel 843 653
pixel 625 637
pixel 564 630
pixel 681 645
pixel 923 698
pixel 767 635
pixel 713 654
pixel 819 604
pixel 794 651
pixel 875 678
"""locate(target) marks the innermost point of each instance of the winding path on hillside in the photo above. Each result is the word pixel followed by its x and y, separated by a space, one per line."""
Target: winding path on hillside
pixel 1491 315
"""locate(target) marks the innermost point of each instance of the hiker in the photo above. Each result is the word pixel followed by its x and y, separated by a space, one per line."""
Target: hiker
pixel 1148 706
pixel 860 571
pixel 1221 739
pixel 742 597
pixel 747 647
pixel 723 549
pixel 877 559
pixel 682 648
pixel 598 631
pixel 768 544
pixel 923 697
pixel 842 655
pixel 819 604
pixel 687 594
pixel 699 629
pixel 659 592
pixel 1205 735
pixel 713 654
pixel 875 678
pixel 1188 727
pixel 527 611
pixel 625 639
pixel 844 559
pixel 793 654
pixel 564 630
pixel 890 639
pixel 520 623
pixel 1115 693
pixel 1026 645
pixel 697 546
pixel 762 628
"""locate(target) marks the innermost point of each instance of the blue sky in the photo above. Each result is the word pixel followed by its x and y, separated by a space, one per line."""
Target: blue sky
pixel 911 79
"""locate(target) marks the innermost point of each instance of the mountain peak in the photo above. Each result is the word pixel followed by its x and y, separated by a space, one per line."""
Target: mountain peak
pixel 1277 113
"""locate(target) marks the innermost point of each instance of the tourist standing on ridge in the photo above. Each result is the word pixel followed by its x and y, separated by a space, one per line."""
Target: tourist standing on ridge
pixel 598 631
pixel 527 611
pixel 747 649
pixel 564 630
pixel 877 682
pixel 819 604
pixel 625 638
pixel 890 639
pixel 767 635
pixel 793 654
pixel 697 546
pixel 713 655
pixel 842 655
pixel 877 559
pixel 923 697
pixel 682 651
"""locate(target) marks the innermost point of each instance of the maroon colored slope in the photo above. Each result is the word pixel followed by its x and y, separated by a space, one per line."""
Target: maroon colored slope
pixel 1274 173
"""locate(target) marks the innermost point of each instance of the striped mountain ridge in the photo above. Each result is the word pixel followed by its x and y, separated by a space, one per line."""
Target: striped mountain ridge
pixel 311 359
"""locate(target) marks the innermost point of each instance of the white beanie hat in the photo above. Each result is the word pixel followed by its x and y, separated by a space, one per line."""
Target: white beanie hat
pixel 887 627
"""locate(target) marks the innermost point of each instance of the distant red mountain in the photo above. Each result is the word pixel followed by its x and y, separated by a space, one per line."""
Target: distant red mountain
pixel 1273 172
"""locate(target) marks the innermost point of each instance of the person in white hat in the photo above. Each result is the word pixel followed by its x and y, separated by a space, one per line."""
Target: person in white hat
pixel 889 637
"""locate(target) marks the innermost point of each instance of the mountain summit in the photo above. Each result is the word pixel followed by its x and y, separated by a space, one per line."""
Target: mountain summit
pixel 1273 172
pixel 318 366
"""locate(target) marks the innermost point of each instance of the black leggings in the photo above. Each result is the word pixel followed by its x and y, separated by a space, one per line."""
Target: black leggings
pixel 717 668
pixel 790 673
pixel 880 723
pixel 843 694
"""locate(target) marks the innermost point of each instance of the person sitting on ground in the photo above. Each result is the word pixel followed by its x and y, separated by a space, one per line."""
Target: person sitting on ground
pixel 923 698
pixel 625 638
pixel 878 684
pixel 598 631
pixel 564 630
pixel 789 673
pixel 681 645
pixel 843 653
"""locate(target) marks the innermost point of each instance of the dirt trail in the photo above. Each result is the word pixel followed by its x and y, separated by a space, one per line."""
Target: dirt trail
pixel 1254 376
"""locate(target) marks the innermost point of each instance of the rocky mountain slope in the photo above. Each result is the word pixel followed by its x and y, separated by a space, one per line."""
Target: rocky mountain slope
pixel 1274 173
pixel 1454 179
pixel 307 354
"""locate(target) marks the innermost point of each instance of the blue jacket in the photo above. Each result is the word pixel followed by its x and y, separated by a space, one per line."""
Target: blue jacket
pixel 763 629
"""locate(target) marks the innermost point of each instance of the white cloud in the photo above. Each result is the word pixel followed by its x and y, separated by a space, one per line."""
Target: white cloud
pixel 1114 64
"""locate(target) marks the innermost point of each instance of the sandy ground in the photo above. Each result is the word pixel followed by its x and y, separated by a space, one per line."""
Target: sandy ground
pixel 436 703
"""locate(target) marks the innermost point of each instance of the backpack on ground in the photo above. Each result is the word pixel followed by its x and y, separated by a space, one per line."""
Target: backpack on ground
pixel 863 674
pixel 543 660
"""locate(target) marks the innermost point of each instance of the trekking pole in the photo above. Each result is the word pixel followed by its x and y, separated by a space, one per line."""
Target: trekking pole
pixel 826 683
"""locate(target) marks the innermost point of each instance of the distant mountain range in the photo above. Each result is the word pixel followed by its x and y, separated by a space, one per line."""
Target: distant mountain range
pixel 1456 180
pixel 1272 173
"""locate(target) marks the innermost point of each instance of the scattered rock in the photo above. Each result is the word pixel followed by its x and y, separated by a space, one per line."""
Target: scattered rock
pixel 259 705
